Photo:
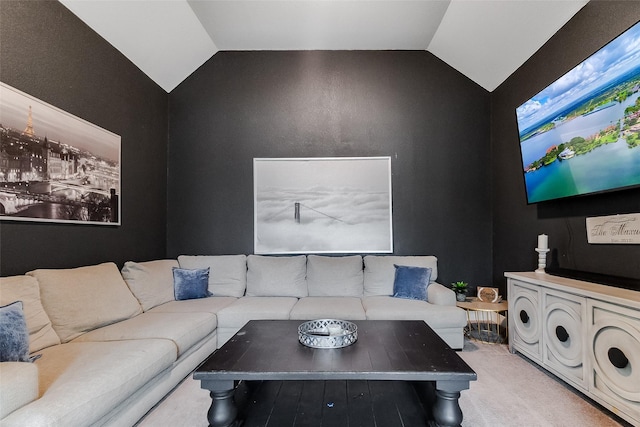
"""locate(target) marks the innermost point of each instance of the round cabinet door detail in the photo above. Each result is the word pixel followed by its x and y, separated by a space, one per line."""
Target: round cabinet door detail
pixel 525 317
pixel 564 330
pixel 616 353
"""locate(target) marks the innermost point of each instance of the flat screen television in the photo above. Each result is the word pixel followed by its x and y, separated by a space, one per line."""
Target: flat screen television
pixel 581 134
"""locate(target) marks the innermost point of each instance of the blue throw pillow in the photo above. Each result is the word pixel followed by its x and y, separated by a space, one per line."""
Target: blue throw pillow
pixel 411 282
pixel 190 284
pixel 14 335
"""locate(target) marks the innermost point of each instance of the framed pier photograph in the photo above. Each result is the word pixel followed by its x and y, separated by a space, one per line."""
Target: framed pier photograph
pixel 322 205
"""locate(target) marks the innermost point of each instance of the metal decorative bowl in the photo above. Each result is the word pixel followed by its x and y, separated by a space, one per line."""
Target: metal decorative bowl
pixel 327 333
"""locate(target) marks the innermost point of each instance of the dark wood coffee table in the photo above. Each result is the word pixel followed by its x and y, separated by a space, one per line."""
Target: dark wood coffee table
pixel 269 350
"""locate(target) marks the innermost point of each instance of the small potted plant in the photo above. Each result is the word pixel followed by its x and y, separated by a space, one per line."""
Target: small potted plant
pixel 460 288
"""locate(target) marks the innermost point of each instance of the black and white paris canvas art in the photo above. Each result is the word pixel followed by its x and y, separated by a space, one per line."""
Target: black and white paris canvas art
pixel 54 166
pixel 322 205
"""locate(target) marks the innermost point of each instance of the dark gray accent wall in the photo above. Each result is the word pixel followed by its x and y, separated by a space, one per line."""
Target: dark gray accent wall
pixel 431 120
pixel 47 52
pixel 517 224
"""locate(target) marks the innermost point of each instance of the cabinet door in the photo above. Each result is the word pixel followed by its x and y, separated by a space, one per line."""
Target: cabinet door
pixel 614 350
pixel 525 333
pixel 564 336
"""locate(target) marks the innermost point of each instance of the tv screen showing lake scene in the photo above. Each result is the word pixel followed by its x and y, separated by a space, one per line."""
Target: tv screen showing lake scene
pixel 581 134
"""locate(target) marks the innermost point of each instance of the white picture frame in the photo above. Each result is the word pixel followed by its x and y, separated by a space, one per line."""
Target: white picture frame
pixel 322 205
pixel 54 166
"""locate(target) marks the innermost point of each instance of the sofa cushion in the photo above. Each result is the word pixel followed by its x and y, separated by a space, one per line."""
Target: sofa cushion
pixel 81 382
pixel 411 282
pixel 436 316
pixel 79 300
pixel 19 386
pixel 27 290
pixel 255 308
pixel 151 282
pixel 339 276
pixel 190 284
pixel 343 308
pixel 14 335
pixel 205 305
pixel 271 276
pixel 379 271
pixel 184 329
pixel 227 273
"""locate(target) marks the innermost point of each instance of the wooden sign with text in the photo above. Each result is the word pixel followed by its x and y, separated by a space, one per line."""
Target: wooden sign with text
pixel 486 294
pixel 620 229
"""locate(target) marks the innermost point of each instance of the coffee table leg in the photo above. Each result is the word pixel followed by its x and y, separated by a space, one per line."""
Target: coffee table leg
pixel 223 411
pixel 446 410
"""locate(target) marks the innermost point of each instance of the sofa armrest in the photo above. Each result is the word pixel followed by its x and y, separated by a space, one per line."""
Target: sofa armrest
pixel 19 386
pixel 439 295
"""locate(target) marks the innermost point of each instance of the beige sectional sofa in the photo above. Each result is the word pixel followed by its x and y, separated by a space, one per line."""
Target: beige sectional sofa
pixel 113 343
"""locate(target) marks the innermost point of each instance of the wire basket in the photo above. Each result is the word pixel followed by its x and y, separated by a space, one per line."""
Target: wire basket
pixel 327 333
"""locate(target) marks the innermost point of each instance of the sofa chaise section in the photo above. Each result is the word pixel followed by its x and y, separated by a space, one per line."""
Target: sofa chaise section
pixel 23 379
pixel 103 361
pixel 80 383
pixel 183 330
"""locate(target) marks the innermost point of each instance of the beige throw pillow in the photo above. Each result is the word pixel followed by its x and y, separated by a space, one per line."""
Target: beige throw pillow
pixel 335 276
pixel 277 276
pixel 79 300
pixel 151 282
pixel 27 290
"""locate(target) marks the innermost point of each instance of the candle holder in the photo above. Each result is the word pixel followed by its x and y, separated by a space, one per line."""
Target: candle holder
pixel 542 259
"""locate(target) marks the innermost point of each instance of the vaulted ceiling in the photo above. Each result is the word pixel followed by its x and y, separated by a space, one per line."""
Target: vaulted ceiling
pixel 486 40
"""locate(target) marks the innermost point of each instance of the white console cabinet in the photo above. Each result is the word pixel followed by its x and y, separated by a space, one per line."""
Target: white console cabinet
pixel 585 333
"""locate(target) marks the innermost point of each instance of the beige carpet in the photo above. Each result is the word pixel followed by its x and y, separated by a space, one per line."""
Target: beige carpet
pixel 510 391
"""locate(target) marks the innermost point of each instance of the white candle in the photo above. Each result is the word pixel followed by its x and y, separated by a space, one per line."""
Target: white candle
pixel 543 241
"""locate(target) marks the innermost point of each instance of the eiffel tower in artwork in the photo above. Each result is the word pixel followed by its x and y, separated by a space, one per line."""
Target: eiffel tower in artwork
pixel 28 131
